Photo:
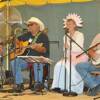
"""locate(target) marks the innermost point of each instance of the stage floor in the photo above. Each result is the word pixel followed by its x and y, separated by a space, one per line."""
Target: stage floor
pixel 29 95
pixel 48 96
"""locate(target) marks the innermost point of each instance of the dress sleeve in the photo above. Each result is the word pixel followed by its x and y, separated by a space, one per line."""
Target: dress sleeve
pixel 79 39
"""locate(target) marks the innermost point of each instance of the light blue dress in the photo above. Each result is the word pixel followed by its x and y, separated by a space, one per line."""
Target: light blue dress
pixel 77 83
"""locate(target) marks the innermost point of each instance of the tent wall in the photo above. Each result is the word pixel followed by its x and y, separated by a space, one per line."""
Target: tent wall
pixel 52 16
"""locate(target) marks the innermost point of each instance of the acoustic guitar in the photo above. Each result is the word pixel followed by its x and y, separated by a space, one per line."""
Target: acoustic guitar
pixel 21 46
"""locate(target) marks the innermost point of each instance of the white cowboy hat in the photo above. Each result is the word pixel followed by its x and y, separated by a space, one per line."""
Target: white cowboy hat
pixel 38 21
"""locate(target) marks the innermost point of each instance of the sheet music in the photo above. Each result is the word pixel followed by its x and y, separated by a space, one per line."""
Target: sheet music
pixel 36 59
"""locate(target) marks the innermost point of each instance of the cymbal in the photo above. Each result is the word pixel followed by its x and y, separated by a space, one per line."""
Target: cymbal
pixel 12 14
pixel 9 17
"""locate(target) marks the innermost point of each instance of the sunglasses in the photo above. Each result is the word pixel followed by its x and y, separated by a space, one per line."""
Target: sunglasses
pixel 30 24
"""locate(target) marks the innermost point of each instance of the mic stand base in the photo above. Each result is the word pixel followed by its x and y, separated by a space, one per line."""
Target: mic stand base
pixel 65 92
pixel 70 94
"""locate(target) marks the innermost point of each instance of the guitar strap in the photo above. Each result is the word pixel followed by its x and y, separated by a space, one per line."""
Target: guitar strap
pixel 34 40
pixel 36 37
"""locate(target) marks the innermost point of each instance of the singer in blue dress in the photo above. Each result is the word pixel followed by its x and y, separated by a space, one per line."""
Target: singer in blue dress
pixel 72 22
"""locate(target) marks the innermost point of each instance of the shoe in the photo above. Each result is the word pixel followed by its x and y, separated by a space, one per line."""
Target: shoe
pixel 19 88
pixel 38 87
pixel 1 87
pixel 22 86
pixel 58 90
pixel 93 91
pixel 32 87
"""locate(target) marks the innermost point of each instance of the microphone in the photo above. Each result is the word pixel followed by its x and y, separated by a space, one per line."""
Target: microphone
pixel 25 30
pixel 17 30
pixel 66 31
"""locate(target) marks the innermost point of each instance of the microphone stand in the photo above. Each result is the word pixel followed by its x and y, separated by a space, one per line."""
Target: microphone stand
pixel 65 92
pixel 1 69
pixel 13 48
pixel 14 62
pixel 70 93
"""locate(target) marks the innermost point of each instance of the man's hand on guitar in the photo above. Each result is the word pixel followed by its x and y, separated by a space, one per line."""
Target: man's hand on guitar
pixel 36 45
pixel 39 47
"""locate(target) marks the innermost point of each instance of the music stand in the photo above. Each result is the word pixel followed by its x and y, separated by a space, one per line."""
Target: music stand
pixel 36 59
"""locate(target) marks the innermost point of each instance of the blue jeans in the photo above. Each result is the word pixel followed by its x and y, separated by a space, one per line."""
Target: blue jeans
pixel 85 70
pixel 19 64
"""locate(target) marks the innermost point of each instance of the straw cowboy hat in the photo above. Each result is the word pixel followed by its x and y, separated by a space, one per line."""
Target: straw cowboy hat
pixel 38 21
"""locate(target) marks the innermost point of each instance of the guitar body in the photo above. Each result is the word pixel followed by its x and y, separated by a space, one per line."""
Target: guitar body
pixel 19 50
pixel 22 48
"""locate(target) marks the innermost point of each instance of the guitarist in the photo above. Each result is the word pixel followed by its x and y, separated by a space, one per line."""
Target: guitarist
pixel 39 47
pixel 85 69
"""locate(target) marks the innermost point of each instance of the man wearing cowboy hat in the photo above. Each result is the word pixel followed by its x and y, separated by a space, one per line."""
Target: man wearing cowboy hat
pixel 40 47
